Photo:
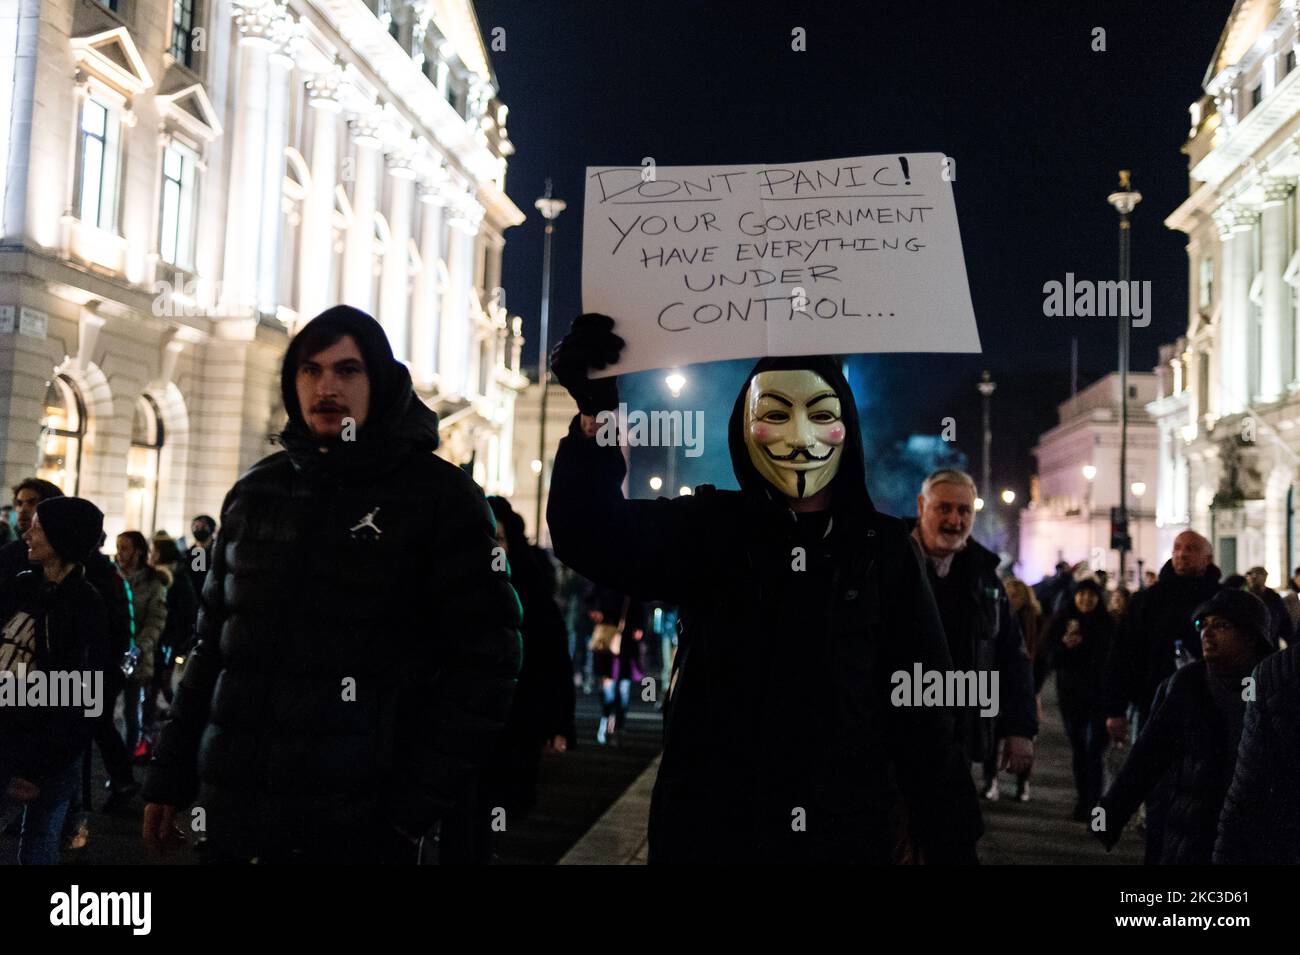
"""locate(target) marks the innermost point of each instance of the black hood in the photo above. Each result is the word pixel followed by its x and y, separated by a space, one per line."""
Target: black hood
pixel 850 481
pixel 397 421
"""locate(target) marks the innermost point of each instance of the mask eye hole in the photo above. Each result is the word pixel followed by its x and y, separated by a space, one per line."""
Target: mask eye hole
pixel 824 417
pixel 776 417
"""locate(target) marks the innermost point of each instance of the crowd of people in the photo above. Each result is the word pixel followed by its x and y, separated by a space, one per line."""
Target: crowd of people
pixel 365 659
pixel 1192 681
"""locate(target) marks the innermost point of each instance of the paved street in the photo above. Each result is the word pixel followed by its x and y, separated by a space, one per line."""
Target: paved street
pixel 1037 832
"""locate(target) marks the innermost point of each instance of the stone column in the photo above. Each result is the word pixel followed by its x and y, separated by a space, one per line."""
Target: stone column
pixel 259 26
pixel 393 285
pixel 358 258
pixel 1276 347
pixel 456 332
pixel 426 301
pixel 316 245
pixel 1218 401
pixel 275 137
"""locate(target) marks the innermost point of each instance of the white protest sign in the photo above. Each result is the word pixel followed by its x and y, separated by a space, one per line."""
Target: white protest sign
pixel 699 263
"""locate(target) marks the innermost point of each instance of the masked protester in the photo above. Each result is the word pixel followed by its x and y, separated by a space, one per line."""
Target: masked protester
pixel 798 602
pixel 357 641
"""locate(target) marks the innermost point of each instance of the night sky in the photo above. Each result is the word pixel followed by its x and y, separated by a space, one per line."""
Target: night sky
pixel 1038 123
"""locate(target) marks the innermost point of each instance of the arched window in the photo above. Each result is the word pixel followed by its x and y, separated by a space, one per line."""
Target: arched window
pixel 142 466
pixel 63 427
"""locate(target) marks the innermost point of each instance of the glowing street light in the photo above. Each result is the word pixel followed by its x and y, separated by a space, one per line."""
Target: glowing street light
pixel 675 382
pixel 1008 496
pixel 684 491
pixel 979 503
pixel 656 483
pixel 1089 471
pixel 1138 488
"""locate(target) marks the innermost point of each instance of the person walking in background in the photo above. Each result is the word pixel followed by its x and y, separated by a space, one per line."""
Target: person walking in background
pixel 617 631
pixel 1280 627
pixel 1291 600
pixel 203 533
pixel 1049 589
pixel 1080 637
pixel 1158 621
pixel 541 714
pixel 182 612
pixel 101 573
pixel 28 493
pixel 1183 760
pixel 148 594
pixel 1033 625
pixel 52 622
pixel 1117 604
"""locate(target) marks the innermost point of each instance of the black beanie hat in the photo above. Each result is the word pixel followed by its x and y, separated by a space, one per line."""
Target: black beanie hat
pixel 72 525
pixel 1241 608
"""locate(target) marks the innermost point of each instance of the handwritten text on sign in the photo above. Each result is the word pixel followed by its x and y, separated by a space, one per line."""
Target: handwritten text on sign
pixel 698 263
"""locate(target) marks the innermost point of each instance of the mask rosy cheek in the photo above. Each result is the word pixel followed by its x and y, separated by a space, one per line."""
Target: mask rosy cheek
pixel 761 432
pixel 836 434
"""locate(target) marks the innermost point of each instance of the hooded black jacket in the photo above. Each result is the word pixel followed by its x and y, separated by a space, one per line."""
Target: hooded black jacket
pixel 1143 654
pixel 778 715
pixel 1182 764
pixel 71 637
pixel 343 676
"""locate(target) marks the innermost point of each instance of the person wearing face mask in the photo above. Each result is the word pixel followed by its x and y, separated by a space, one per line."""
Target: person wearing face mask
pixel 798 602
pixel 983 634
pixel 1079 638
pixel 1183 760
pixel 199 558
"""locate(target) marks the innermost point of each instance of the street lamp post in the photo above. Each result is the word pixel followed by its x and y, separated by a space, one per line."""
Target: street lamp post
pixel 1138 488
pixel 675 382
pixel 550 209
pixel 1089 474
pixel 1124 202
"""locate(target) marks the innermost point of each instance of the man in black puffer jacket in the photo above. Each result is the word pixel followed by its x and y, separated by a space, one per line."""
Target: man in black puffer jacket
pixel 784 739
pixel 357 642
pixel 1190 738
pixel 1260 822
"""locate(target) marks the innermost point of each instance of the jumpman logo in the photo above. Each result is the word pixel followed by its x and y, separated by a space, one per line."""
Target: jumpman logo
pixel 368 521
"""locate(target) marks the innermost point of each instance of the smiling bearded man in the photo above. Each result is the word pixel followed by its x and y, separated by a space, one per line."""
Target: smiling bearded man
pixel 798 601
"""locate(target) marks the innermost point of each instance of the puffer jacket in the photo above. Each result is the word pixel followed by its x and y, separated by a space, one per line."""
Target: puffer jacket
pixel 149 616
pixel 779 710
pixel 357 645
pixel 1183 761
pixel 1260 822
